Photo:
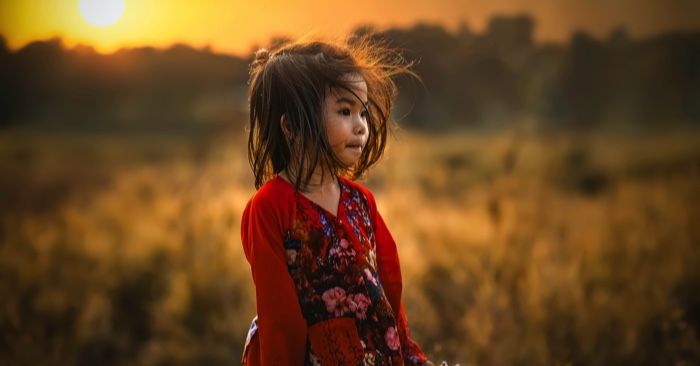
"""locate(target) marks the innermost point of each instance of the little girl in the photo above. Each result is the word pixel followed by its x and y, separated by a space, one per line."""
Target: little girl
pixel 325 267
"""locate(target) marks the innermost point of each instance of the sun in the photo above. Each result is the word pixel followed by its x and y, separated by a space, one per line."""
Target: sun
pixel 101 12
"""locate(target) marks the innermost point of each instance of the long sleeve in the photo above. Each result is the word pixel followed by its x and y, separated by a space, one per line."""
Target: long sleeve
pixel 282 329
pixel 390 277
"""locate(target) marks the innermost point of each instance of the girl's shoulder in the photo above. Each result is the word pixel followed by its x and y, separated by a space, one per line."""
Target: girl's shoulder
pixel 278 196
pixel 275 195
pixel 274 188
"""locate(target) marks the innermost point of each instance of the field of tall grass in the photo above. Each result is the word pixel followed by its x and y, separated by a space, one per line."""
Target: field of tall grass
pixel 516 248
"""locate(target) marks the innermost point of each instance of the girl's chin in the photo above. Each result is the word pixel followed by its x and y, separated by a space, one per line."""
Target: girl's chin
pixel 349 157
pixel 349 163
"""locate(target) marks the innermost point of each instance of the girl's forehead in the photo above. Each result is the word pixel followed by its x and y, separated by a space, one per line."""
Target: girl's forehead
pixel 358 96
pixel 356 83
pixel 353 77
pixel 359 88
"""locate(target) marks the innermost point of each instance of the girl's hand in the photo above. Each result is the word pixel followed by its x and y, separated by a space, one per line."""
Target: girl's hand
pixel 443 363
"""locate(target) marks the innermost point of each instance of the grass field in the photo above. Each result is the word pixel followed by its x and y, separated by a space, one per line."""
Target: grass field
pixel 516 249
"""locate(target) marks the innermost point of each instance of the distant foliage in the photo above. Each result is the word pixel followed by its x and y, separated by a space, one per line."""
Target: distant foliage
pixel 486 80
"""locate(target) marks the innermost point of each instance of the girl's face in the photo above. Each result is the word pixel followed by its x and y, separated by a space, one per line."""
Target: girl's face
pixel 346 121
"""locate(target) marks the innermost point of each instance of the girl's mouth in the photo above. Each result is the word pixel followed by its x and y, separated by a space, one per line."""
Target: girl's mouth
pixel 354 147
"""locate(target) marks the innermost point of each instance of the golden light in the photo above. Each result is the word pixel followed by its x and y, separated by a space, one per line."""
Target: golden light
pixel 101 13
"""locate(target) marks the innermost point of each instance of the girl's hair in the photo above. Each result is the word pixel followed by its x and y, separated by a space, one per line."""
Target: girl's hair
pixel 292 80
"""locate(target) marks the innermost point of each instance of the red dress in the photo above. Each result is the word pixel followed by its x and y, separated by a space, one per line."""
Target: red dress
pixel 327 288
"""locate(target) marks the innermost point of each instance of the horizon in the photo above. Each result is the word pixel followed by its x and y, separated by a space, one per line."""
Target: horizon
pixel 236 29
pixel 66 45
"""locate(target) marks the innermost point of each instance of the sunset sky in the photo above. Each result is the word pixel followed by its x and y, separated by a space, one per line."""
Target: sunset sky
pixel 235 26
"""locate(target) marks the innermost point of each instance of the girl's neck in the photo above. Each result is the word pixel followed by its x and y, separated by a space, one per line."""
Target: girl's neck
pixel 318 183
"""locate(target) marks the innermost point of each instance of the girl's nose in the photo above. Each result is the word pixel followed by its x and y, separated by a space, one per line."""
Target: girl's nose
pixel 360 125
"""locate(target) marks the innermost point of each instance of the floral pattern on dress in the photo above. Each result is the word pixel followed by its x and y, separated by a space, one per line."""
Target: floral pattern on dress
pixel 332 261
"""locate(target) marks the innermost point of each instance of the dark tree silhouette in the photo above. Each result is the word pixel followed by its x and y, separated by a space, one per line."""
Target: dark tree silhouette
pixel 475 80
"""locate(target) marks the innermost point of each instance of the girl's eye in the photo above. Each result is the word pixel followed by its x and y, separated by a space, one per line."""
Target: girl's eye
pixel 364 115
pixel 345 112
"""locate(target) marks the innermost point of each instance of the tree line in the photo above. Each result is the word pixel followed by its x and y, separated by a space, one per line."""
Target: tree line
pixel 490 79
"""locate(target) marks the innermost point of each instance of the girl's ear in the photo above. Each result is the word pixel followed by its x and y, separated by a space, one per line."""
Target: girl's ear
pixel 286 127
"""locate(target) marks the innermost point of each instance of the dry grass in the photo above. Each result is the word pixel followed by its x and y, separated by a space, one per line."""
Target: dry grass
pixel 516 249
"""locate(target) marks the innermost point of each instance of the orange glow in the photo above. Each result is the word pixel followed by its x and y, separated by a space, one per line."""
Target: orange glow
pixel 235 26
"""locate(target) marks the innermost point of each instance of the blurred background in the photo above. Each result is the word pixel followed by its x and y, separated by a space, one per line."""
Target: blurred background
pixel 543 186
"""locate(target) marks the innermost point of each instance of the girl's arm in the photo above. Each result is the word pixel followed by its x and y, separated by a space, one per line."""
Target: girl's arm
pixel 281 325
pixel 390 277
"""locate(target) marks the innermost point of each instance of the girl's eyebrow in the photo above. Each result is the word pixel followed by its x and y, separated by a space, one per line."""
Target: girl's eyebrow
pixel 351 101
